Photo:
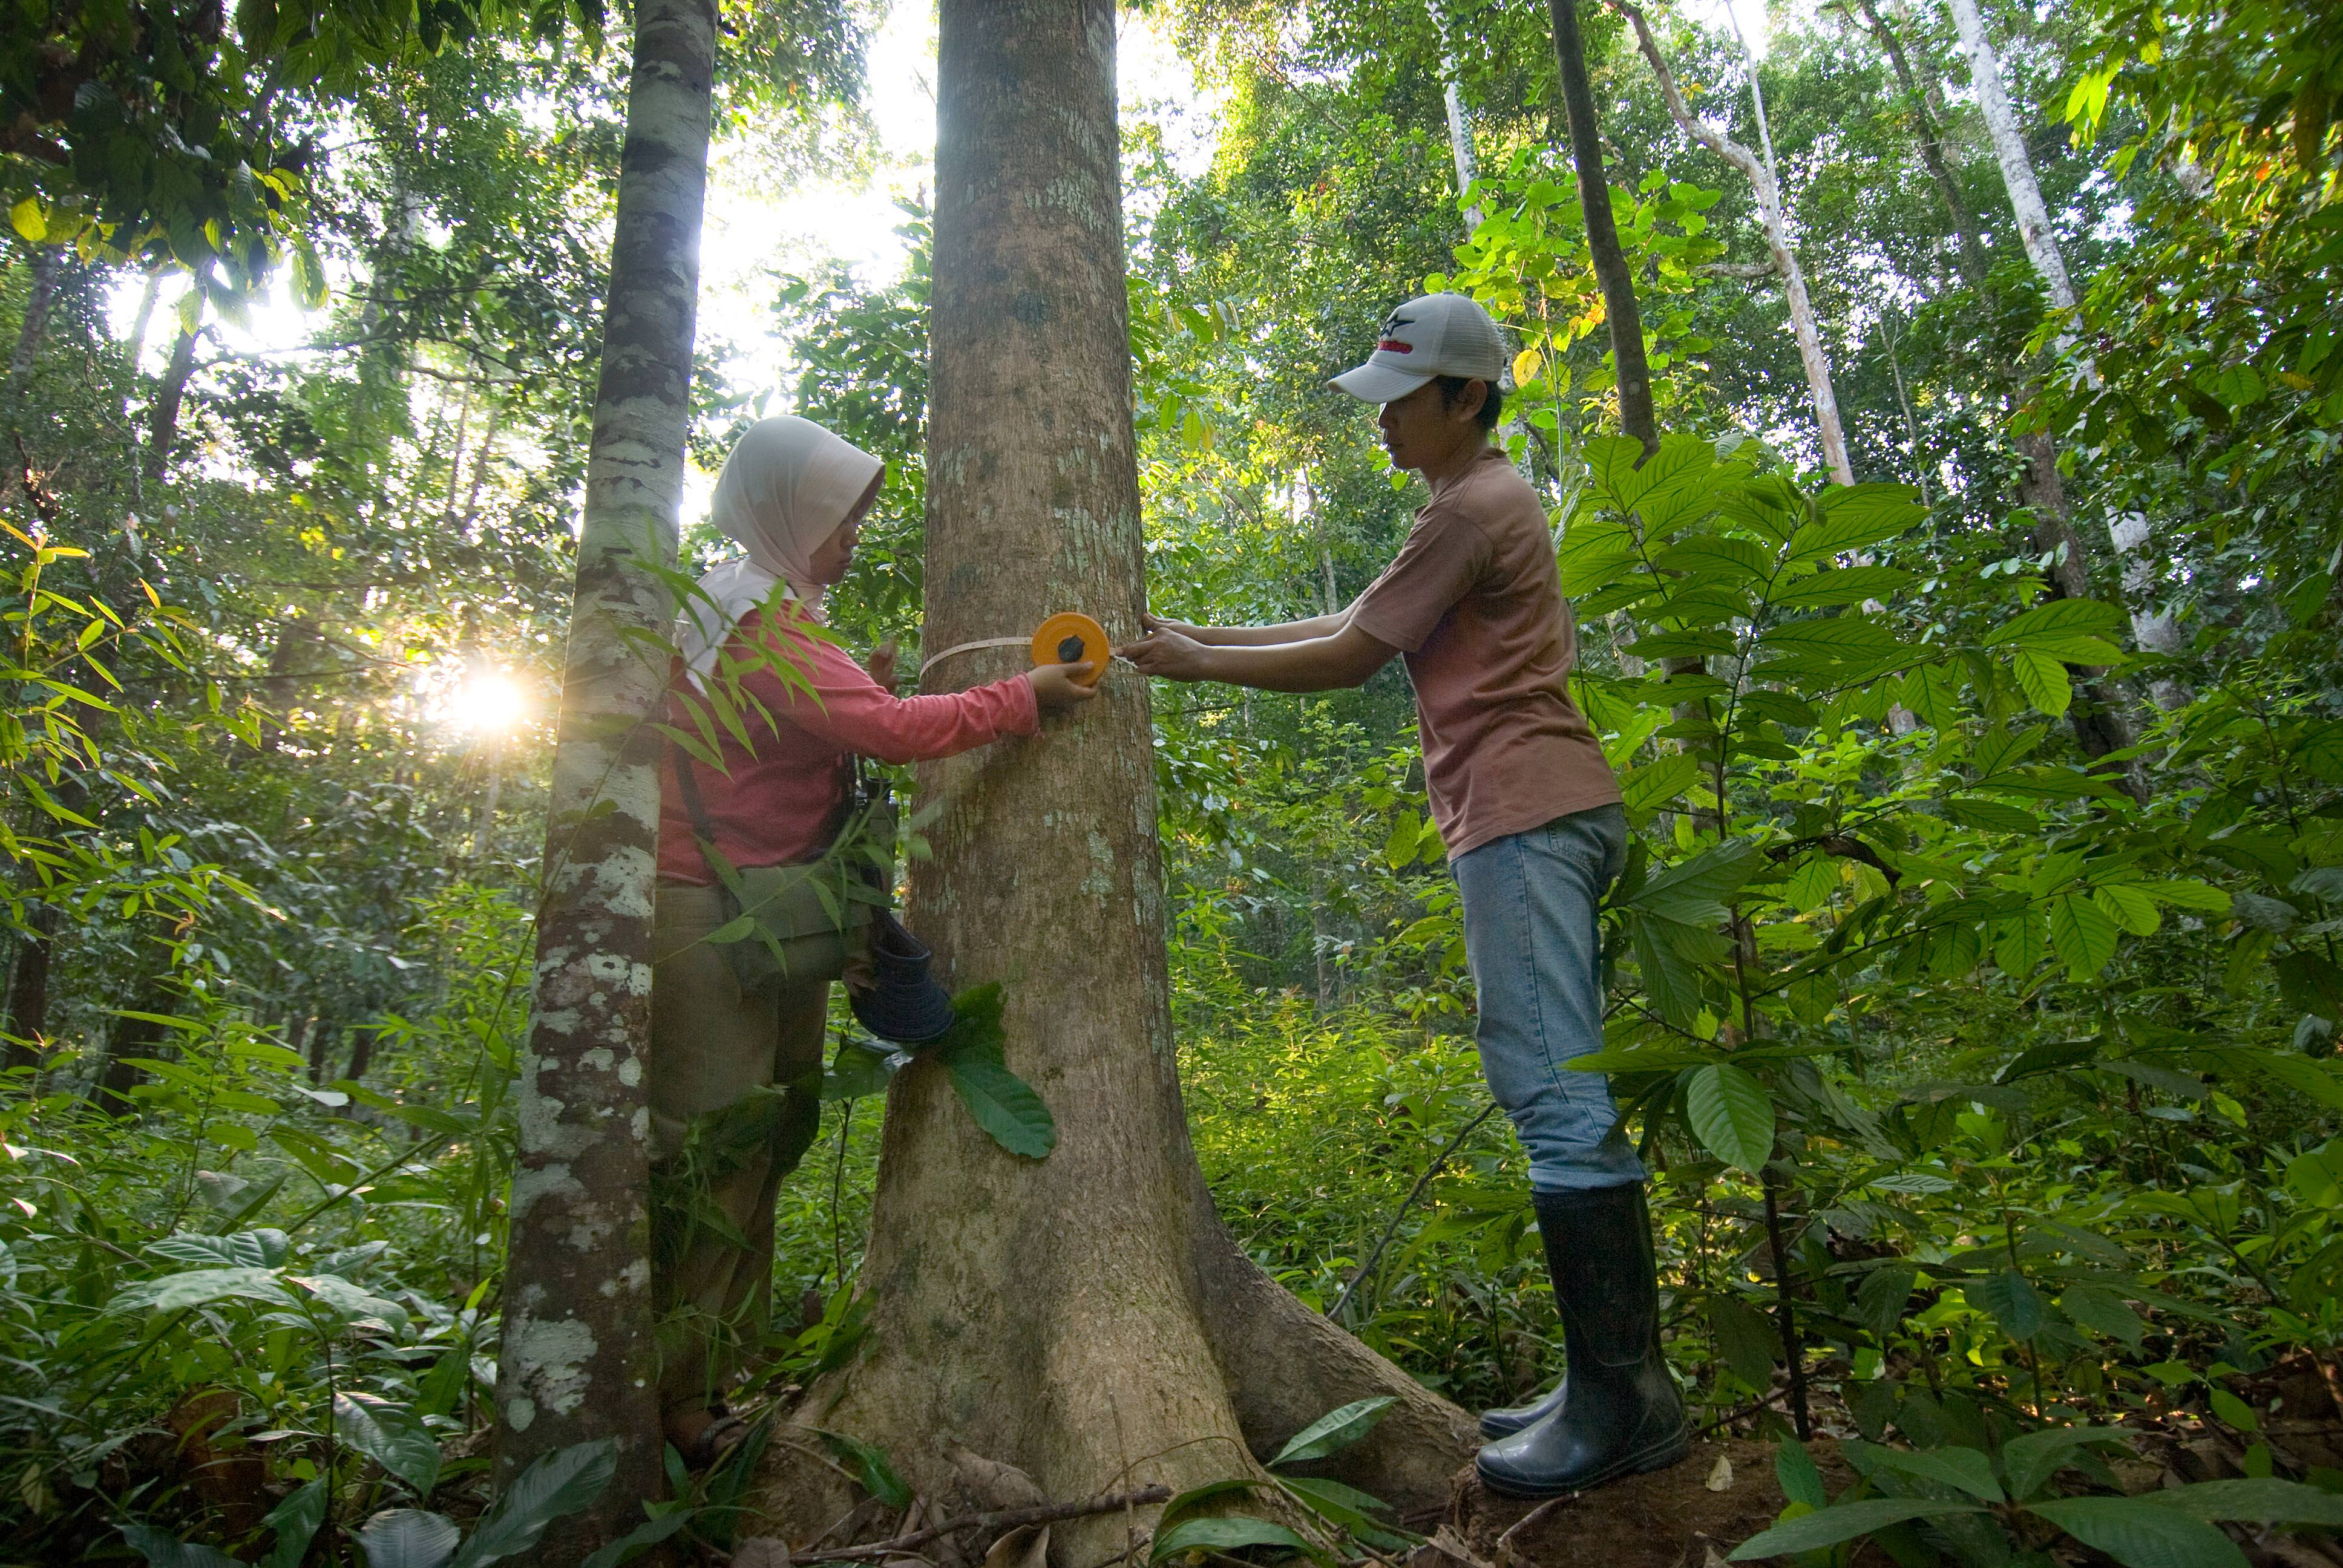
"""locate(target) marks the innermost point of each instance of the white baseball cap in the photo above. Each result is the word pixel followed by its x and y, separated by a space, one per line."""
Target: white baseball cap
pixel 1430 334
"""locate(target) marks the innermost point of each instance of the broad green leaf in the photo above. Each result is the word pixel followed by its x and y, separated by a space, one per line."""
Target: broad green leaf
pixel 348 1300
pixel 1880 1300
pixel 873 1468
pixel 1227 1533
pixel 2188 895
pixel 1344 1504
pixel 1671 978
pixel 1003 1104
pixel 2082 935
pixel 2021 943
pixel 638 1539
pixel 1195 1497
pixel 2013 1300
pixel 2103 1311
pixel 163 1549
pixel 1856 517
pixel 199 1287
pixel 1844 637
pixel 1962 1468
pixel 2059 617
pixel 1654 785
pixel 2030 1461
pixel 295 1521
pixel 390 1437
pixel 1335 1431
pixel 1983 811
pixel 238 1250
pixel 1730 1114
pixel 1846 586
pixel 2265 1501
pixel 1742 560
pixel 558 1484
pixel 410 1538
pixel 2043 681
pixel 2139 1534
pixel 1746 1339
pixel 2128 906
pixel 1801 1482
pixel 1694 893
pixel 1845 1522
pixel 1696 644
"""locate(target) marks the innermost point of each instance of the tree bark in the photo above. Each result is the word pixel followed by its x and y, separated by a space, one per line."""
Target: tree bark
pixel 48 263
pixel 2152 627
pixel 27 1008
pixel 1084 1317
pixel 1930 139
pixel 1611 270
pixel 170 393
pixel 1776 223
pixel 1459 124
pixel 577 1361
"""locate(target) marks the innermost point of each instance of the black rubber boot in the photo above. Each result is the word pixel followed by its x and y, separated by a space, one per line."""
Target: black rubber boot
pixel 904 1004
pixel 1619 1414
pixel 1510 1419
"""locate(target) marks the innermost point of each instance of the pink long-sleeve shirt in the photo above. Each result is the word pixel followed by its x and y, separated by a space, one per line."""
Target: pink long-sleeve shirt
pixel 772 806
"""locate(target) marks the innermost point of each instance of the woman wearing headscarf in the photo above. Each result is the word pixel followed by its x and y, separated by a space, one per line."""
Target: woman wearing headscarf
pixel 736 1072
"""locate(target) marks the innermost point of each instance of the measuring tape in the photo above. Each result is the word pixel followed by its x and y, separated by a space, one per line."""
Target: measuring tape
pixel 1068 637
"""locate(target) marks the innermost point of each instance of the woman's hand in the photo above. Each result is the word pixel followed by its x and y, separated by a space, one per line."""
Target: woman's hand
pixel 882 665
pixel 1055 686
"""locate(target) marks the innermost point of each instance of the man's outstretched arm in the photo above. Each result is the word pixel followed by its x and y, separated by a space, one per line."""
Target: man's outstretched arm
pixel 1316 627
pixel 1344 655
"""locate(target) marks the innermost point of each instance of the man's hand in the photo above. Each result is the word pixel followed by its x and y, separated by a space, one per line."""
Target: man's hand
pixel 1055 686
pixel 882 665
pixel 1169 651
pixel 1158 623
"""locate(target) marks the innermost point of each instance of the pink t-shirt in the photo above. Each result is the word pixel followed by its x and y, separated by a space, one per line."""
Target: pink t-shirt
pixel 772 806
pixel 1474 602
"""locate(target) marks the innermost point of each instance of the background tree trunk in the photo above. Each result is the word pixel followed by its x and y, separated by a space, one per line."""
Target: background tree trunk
pixel 1775 222
pixel 577 1362
pixel 171 391
pixel 1085 1317
pixel 1460 123
pixel 2142 567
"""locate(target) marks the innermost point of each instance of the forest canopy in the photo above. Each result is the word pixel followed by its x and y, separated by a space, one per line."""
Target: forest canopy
pixel 1954 571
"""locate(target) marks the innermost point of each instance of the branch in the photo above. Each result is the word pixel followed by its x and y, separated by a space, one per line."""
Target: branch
pixel 1006 1520
pixel 1749 269
pixel 1699 130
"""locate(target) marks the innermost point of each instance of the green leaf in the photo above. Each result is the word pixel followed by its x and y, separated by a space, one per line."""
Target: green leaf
pixel 1346 1506
pixel 26 219
pixel 2265 1501
pixel 410 1538
pixel 1335 1431
pixel 558 1484
pixel 2043 681
pixel 1730 1114
pixel 1880 1300
pixel 1849 585
pixel 1003 1104
pixel 1962 1468
pixel 1743 560
pixel 2139 1534
pixel 163 1549
pixel 200 1287
pixel 2029 1462
pixel 1845 1522
pixel 1195 1497
pixel 638 1539
pixel 2013 1300
pixel 1694 893
pixel 2103 1311
pixel 872 1467
pixel 1654 785
pixel 1746 1339
pixel 1227 1534
pixel 2059 617
pixel 390 1437
pixel 2082 935
pixel 1801 1482
pixel 1856 517
pixel 296 1522
pixel 348 1300
pixel 238 1250
pixel 2188 895
pixel 2128 906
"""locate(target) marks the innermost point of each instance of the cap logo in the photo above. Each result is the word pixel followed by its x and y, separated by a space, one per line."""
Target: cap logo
pixel 1392 324
pixel 1396 346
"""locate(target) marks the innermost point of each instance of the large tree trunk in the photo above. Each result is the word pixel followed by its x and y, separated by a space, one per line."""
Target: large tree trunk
pixel 1084 1317
pixel 2152 627
pixel 577 1362
pixel 1775 221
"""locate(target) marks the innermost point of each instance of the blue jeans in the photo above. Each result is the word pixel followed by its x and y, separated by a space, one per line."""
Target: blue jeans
pixel 1534 941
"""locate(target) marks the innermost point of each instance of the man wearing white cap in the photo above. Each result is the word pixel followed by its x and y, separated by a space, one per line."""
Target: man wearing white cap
pixel 1531 815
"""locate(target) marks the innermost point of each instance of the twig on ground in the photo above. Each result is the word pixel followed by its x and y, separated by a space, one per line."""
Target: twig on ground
pixel 1745 1410
pixel 1008 1519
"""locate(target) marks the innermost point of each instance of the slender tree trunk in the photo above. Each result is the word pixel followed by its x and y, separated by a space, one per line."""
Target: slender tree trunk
pixel 1620 310
pixel 1929 136
pixel 2142 566
pixel 163 417
pixel 1084 1317
pixel 577 1361
pixel 48 264
pixel 1776 223
pixel 1459 124
pixel 27 1009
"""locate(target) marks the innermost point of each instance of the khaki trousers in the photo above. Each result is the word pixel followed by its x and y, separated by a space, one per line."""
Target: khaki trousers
pixel 736 1101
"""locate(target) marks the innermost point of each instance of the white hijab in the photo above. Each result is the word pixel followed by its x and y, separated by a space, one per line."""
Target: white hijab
pixel 785 487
